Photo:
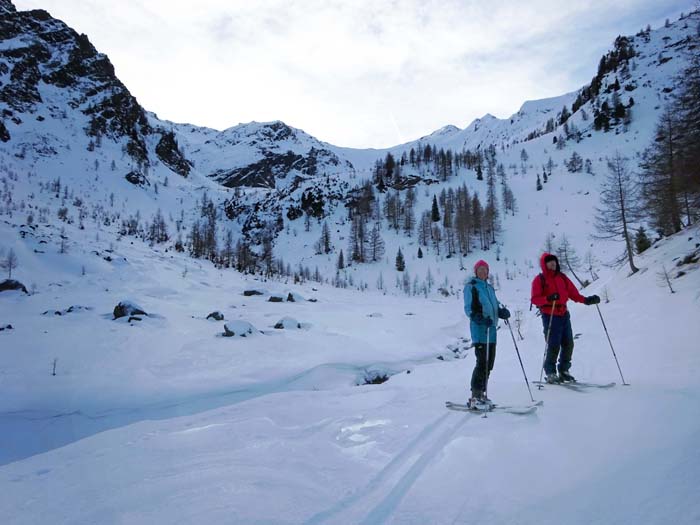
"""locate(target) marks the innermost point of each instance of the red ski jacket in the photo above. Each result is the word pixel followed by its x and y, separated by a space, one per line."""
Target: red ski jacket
pixel 549 282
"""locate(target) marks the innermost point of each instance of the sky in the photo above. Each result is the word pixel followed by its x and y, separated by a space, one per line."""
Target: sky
pixel 360 73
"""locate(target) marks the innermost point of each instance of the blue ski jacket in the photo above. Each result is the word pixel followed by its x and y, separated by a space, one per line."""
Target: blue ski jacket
pixel 480 298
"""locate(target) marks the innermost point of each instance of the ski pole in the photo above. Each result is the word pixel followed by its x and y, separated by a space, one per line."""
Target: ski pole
pixel 611 346
pixel 546 343
pixel 519 359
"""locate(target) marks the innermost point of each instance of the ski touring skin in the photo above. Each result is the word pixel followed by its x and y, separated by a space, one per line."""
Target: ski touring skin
pixel 521 410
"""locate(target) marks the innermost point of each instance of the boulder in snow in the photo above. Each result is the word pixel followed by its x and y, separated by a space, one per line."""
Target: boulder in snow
pixel 128 308
pixel 239 329
pixel 275 299
pixel 11 284
pixel 293 297
pixel 249 293
pixel 288 323
pixel 6 327
pixel 216 316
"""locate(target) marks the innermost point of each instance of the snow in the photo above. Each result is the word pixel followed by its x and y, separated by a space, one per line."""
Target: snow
pixel 165 420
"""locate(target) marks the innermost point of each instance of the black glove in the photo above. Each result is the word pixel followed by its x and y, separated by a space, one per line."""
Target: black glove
pixel 481 320
pixel 592 299
pixel 503 313
pixel 553 297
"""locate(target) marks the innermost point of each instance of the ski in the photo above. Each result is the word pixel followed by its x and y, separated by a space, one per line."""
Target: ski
pixel 511 409
pixel 576 385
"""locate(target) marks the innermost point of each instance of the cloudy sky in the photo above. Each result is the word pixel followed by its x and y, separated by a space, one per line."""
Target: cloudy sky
pixel 361 73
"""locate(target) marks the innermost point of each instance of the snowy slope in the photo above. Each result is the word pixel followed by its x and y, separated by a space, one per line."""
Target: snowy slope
pixel 164 420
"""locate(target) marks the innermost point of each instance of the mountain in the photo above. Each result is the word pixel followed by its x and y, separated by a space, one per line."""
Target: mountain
pixel 65 115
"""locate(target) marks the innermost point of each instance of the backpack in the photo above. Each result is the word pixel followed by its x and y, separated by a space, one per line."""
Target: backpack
pixel 541 276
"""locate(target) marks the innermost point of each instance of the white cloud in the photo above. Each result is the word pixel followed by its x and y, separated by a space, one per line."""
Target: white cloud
pixel 355 73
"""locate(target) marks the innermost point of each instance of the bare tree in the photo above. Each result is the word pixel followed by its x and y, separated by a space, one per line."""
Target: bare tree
pixel 9 262
pixel 619 199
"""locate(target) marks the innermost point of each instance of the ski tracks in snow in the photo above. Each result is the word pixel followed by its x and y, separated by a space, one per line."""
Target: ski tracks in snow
pixel 389 486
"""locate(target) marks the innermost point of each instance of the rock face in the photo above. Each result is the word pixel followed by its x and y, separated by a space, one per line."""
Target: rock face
pixel 273 166
pixel 128 308
pixel 47 53
pixel 11 284
pixel 169 154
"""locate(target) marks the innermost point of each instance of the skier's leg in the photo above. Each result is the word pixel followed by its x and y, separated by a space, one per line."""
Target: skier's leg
pixel 479 374
pixel 492 356
pixel 567 345
pixel 555 334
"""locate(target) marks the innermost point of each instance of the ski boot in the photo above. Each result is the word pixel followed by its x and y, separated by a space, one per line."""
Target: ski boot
pixel 479 402
pixel 566 377
pixel 552 379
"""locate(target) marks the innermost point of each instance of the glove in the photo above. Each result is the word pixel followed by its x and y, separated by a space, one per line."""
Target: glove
pixel 592 299
pixel 481 320
pixel 553 297
pixel 503 313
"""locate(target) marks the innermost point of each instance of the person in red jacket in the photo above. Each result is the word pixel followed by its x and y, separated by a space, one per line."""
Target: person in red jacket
pixel 550 292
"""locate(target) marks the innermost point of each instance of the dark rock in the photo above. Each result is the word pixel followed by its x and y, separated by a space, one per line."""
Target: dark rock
pixel 275 299
pixel 127 308
pixel 11 284
pixel 170 154
pixel 249 293
pixel 4 133
pixel 313 300
pixel 134 318
pixel 137 179
pixel 217 316
pixel 6 327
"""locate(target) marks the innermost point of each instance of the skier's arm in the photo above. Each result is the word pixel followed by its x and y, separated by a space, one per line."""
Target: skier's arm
pixel 472 304
pixel 574 294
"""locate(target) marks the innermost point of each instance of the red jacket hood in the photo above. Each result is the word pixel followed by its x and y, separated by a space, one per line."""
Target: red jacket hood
pixel 544 268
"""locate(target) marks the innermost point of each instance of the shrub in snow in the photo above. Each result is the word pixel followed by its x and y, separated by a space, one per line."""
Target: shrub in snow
pixel 217 316
pixel 239 329
pixel 128 308
pixel 375 378
pixel 11 284
pixel 288 323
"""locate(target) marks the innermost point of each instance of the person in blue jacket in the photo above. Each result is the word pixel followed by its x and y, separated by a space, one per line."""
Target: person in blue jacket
pixel 483 309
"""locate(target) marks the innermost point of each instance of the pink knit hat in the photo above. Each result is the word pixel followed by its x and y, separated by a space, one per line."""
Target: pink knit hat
pixel 480 263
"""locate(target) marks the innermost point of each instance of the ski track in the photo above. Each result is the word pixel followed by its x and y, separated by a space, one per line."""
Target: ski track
pixel 399 462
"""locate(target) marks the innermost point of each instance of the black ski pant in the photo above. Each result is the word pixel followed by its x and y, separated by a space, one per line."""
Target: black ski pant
pixel 560 344
pixel 481 374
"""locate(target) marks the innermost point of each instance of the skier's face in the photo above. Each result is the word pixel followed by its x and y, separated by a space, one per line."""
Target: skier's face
pixel 482 272
pixel 551 265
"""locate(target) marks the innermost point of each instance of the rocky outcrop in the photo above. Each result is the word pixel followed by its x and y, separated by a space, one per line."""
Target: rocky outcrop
pixel 170 154
pixel 10 284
